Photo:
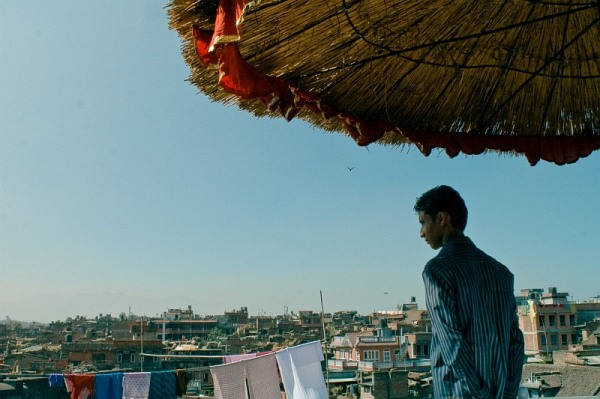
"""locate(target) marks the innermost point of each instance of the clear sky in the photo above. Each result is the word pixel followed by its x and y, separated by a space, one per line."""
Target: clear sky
pixel 123 188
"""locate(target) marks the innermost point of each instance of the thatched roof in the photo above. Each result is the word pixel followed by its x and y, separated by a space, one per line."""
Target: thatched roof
pixel 511 76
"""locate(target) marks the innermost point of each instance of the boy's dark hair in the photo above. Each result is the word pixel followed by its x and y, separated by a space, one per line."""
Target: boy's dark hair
pixel 444 199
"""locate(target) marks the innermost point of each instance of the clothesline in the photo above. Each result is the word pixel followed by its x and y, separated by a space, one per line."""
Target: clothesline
pixel 143 385
pixel 255 375
pixel 183 356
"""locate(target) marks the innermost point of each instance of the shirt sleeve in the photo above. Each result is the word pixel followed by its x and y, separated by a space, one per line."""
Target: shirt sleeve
pixel 456 353
pixel 515 357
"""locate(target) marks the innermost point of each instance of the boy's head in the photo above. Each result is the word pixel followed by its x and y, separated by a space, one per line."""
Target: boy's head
pixel 444 199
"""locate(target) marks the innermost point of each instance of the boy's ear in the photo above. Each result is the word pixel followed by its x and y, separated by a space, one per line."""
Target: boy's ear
pixel 444 218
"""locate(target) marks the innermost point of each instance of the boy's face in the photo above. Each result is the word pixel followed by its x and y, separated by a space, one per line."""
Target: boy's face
pixel 431 230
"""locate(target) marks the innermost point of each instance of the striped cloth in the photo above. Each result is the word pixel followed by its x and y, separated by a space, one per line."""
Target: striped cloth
pixel 477 347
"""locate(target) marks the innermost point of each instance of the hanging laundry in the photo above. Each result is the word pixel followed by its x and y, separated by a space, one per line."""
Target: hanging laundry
pixel 229 381
pixel 109 386
pixel 56 381
pixel 262 377
pixel 136 385
pixel 162 385
pixel 182 379
pixel 80 386
pixel 228 359
pixel 252 378
pixel 301 374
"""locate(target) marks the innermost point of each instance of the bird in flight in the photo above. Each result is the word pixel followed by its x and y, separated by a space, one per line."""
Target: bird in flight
pixel 350 168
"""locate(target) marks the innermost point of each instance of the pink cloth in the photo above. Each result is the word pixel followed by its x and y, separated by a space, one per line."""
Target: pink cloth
pixel 136 385
pixel 230 381
pixel 262 377
pixel 238 358
pixel 246 356
pixel 252 378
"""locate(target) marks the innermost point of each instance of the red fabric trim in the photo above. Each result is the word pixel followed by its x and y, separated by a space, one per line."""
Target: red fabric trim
pixel 560 150
pixel 241 79
pixel 229 13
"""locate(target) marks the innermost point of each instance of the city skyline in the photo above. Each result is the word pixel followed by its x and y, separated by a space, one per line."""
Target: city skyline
pixel 121 186
pixel 159 312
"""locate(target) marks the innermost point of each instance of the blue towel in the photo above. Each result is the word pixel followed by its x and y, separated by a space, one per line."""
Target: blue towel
pixel 162 385
pixel 109 386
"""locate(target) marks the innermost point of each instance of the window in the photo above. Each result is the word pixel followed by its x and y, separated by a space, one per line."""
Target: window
pixel 132 358
pixel 552 320
pixel 422 350
pixel 541 320
pixel 572 320
pixel 342 354
pixel 563 320
pixel 564 339
pixel 98 358
pixel 543 340
pixel 573 338
pixel 371 355
pixel 386 355
pixel 553 340
pixel 119 358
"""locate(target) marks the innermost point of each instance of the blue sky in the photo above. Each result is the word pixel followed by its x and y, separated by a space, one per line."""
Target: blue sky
pixel 123 188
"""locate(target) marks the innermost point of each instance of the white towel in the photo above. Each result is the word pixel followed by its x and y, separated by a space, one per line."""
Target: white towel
pixel 300 368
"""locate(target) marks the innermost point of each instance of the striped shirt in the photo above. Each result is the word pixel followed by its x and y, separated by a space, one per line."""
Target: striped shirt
pixel 477 347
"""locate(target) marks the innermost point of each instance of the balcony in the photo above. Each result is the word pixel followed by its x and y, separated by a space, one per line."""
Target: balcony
pixel 341 364
pixel 376 340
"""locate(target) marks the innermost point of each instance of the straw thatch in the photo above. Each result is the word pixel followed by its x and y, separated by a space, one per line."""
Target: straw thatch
pixel 513 76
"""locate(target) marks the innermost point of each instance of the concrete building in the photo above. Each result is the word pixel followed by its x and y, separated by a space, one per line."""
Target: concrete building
pixel 550 321
pixel 392 384
pixel 368 351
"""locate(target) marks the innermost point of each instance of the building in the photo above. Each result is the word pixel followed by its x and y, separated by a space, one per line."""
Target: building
pixel 368 351
pixel 310 322
pixel 392 384
pixel 549 321
pixel 418 344
pixel 178 314
pixel 237 317
pixel 173 330
pixel 114 354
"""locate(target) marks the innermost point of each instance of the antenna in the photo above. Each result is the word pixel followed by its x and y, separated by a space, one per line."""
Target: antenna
pixel 324 341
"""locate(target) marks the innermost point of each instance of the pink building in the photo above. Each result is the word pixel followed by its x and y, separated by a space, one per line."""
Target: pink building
pixel 368 351
pixel 548 321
